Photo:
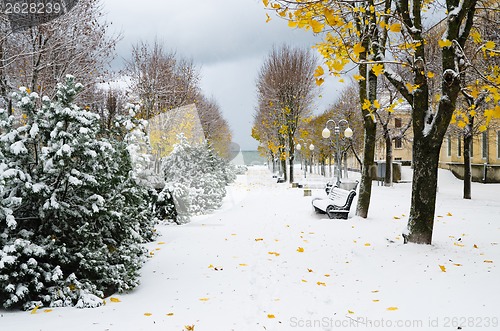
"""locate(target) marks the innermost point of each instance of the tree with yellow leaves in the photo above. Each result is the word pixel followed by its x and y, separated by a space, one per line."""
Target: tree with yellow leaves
pixel 285 89
pixel 398 29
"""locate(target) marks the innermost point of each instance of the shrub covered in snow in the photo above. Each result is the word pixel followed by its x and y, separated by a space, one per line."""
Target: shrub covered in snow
pixel 197 176
pixel 71 216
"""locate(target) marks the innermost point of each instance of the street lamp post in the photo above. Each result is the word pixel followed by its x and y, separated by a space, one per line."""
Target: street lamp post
pixel 336 130
pixel 311 148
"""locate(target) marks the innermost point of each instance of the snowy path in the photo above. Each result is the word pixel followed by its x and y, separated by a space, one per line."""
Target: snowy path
pixel 241 268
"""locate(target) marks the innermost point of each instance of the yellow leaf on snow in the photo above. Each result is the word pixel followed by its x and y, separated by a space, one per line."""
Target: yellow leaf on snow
pixel 35 310
pixel 259 239
pixel 112 299
pixel 488 261
pixel 265 2
pixel 148 314
pixel 350 311
pixel 268 18
pixel 243 265
pixel 459 245
pixel 189 327
pixel 368 244
pixel 392 308
pixel 48 311
pixel 211 266
pixel 449 214
pixel 309 270
pixel 204 299
pixel 170 314
pixel 475 246
pixel 304 281
pixel 300 250
pixel 396 218
pixel 457 264
pixel 443 268
pixel 321 284
pixel 270 316
pixel 161 243
pixel 376 300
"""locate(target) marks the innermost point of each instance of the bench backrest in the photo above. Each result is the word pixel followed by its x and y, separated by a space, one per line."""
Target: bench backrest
pixel 341 197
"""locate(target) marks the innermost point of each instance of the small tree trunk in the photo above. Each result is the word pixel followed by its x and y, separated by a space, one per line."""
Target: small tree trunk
pixel 424 192
pixel 388 161
pixel 467 166
pixel 291 159
pixel 283 167
pixel 365 186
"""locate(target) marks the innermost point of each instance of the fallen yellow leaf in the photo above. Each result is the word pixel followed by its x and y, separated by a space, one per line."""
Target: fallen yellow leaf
pixel 211 266
pixel 459 245
pixel 321 284
pixel 300 250
pixel 274 253
pixel 259 239
pixel 161 243
pixel 350 311
pixel 204 299
pixel 47 310
pixel 375 291
pixel 488 261
pixel 392 308
pixel 35 310
pixel 170 314
pixel 396 218
pixel 189 327
pixel 147 314
pixel 368 244
pixel 309 270
pixel 327 275
pixel 443 268
pixel 376 300
pixel 270 316
pixel 114 299
pixel 449 214
pixel 457 264
pixel 304 281
pixel 243 265
pixel 475 246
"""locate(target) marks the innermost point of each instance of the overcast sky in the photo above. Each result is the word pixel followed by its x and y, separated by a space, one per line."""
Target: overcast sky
pixel 227 39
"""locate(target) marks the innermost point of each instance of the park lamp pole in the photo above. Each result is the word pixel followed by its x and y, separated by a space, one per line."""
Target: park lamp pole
pixel 311 148
pixel 336 130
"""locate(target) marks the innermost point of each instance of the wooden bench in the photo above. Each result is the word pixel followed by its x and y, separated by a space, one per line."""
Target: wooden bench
pixel 336 205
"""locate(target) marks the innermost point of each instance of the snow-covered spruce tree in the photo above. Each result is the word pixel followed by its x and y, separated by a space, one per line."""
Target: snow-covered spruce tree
pixel 71 216
pixel 197 173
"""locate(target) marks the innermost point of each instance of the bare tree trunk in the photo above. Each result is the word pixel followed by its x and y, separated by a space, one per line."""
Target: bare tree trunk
pixel 388 160
pixel 467 165
pixel 424 192
pixel 365 186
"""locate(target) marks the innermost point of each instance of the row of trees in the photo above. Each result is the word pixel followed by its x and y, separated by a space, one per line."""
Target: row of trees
pixel 390 38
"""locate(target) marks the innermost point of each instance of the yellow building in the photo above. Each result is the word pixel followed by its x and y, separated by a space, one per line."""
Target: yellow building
pixel 485 155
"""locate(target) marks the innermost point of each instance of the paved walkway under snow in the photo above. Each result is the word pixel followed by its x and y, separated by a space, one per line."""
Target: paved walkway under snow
pixel 267 262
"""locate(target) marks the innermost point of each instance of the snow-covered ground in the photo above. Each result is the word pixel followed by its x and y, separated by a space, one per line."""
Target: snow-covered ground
pixel 267 262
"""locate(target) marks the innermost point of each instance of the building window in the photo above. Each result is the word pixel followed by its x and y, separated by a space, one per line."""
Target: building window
pixel 484 145
pixel 398 143
pixel 459 146
pixel 398 123
pixel 449 145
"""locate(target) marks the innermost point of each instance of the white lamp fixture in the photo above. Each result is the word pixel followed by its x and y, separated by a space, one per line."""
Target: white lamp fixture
pixel 298 147
pixel 325 133
pixel 311 147
pixel 348 132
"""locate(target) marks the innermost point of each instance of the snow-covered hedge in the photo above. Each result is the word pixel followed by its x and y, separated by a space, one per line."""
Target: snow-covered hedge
pixel 71 216
pixel 198 177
